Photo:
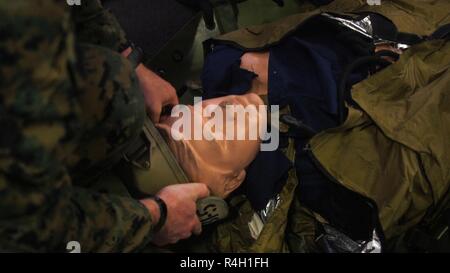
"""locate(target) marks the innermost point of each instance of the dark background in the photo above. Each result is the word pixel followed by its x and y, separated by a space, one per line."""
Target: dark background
pixel 151 24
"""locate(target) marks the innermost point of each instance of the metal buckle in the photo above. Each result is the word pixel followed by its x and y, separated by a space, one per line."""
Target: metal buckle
pixel 212 209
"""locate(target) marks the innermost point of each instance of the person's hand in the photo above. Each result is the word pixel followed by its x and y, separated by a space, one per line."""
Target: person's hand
pixel 158 93
pixel 389 48
pixel 182 220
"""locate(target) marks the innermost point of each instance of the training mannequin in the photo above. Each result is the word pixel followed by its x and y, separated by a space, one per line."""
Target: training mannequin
pixel 220 164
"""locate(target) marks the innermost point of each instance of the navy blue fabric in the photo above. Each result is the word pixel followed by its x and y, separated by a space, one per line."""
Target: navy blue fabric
pixel 265 176
pixel 304 72
pixel 222 74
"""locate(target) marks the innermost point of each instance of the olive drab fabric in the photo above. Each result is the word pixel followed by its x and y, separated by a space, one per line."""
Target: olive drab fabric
pixel 395 150
pixel 67 100
pixel 421 17
pixel 234 235
pixel 400 149
pixel 291 227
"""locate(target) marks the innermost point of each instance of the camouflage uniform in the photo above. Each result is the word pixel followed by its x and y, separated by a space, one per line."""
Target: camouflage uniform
pixel 67 101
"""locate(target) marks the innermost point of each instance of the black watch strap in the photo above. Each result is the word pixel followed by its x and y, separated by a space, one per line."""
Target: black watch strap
pixel 162 213
pixel 125 46
pixel 136 56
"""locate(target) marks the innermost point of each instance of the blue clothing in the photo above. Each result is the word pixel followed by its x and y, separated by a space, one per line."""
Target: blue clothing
pixel 304 71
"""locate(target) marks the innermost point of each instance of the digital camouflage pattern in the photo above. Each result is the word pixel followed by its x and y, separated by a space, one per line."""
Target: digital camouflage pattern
pixel 67 98
pixel 104 30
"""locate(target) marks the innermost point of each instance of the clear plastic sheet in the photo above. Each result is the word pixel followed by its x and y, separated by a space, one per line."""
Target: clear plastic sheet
pixel 364 27
pixel 334 241
pixel 273 203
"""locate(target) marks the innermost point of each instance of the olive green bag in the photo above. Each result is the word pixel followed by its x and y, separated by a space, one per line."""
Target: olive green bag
pixel 394 167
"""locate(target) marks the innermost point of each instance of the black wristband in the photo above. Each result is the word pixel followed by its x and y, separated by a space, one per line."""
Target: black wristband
pixel 162 213
pixel 136 56
pixel 125 46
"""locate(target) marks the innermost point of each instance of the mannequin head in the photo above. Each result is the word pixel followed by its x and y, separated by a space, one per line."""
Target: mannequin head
pixel 219 163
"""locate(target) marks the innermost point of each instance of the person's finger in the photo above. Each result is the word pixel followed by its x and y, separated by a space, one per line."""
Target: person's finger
pixel 171 100
pixel 173 241
pixel 155 114
pixel 199 190
pixel 159 242
pixel 185 235
pixel 174 99
pixel 197 230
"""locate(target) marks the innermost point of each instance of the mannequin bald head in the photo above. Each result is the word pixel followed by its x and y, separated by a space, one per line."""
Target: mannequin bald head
pixel 219 163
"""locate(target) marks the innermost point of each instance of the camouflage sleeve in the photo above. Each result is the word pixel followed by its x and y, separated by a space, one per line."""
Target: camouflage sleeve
pixel 96 25
pixel 40 209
